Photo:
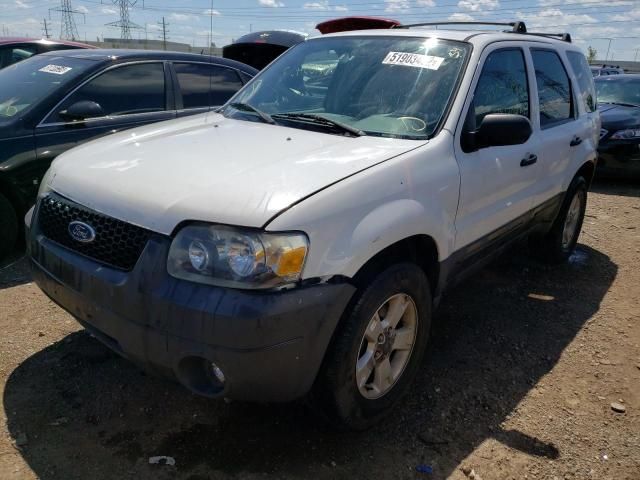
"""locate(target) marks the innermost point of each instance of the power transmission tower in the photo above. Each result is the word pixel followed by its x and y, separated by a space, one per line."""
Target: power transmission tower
pixel 125 24
pixel 45 28
pixel 68 29
pixel 165 32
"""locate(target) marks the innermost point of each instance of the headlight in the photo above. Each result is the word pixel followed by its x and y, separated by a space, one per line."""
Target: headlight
pixel 234 257
pixel 626 134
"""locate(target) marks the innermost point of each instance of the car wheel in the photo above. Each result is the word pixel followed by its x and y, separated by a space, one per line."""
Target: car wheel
pixel 560 242
pixel 8 227
pixel 377 348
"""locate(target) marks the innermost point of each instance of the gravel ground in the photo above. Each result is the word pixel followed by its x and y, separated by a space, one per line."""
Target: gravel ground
pixel 524 365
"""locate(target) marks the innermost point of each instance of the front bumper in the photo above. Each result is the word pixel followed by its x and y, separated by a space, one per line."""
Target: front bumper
pixel 619 157
pixel 269 346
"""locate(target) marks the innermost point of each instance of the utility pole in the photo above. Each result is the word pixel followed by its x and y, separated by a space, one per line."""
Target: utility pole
pixel 164 26
pixel 125 24
pixel 45 28
pixel 68 28
pixel 635 59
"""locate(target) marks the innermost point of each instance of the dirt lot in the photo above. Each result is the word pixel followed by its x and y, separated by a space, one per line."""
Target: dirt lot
pixel 524 365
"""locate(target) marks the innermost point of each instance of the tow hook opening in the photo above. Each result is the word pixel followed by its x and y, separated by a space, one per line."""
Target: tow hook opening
pixel 202 376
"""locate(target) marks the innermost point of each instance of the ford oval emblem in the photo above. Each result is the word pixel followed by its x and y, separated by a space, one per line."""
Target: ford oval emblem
pixel 82 232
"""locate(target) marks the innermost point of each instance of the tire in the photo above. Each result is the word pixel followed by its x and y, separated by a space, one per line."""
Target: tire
pixel 557 245
pixel 8 227
pixel 335 391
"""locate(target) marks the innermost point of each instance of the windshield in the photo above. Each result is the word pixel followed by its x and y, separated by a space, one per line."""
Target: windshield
pixel 26 83
pixel 385 86
pixel 619 91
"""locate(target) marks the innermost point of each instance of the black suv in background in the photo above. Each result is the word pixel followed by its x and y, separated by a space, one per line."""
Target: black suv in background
pixel 50 103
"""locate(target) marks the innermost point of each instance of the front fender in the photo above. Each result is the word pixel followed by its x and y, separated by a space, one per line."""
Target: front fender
pixel 351 221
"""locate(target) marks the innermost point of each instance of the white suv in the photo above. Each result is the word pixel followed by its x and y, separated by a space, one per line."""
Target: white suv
pixel 297 240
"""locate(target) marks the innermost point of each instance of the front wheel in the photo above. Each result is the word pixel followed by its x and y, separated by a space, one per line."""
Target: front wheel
pixel 559 243
pixel 377 349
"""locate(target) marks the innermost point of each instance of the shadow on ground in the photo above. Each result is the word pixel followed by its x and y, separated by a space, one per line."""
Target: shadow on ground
pixel 626 187
pixel 14 270
pixel 89 414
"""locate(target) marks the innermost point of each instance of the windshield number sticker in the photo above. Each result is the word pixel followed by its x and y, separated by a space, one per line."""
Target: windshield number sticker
pixel 413 60
pixel 56 69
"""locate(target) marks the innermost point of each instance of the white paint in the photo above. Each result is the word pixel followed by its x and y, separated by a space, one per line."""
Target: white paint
pixel 353 197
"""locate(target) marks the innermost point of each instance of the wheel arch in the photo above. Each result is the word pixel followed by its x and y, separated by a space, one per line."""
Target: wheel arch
pixel 419 249
pixel 588 171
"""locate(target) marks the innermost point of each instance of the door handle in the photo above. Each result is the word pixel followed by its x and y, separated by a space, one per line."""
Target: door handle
pixel 530 160
pixel 575 141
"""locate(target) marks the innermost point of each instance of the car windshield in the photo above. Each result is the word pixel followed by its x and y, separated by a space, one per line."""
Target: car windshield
pixel 25 83
pixel 620 90
pixel 396 87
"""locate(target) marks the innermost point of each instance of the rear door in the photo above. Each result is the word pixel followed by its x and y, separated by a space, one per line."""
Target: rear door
pixel 130 95
pixel 497 186
pixel 559 132
pixel 202 86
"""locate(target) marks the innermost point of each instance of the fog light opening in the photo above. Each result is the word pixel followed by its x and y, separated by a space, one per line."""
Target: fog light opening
pixel 202 376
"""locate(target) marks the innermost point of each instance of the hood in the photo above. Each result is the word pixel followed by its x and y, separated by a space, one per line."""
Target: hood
pixel 210 168
pixel 615 117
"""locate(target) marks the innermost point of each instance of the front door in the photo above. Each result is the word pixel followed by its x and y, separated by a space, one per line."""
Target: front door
pixel 130 95
pixel 497 183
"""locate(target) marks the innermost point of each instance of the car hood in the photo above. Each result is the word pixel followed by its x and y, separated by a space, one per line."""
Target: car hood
pixel 210 168
pixel 618 116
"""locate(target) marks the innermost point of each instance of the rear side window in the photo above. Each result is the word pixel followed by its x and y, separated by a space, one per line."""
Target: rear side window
pixel 203 85
pixel 585 80
pixel 503 86
pixel 124 90
pixel 554 88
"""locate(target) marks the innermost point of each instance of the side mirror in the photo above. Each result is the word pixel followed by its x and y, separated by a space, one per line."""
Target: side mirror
pixel 82 110
pixel 499 129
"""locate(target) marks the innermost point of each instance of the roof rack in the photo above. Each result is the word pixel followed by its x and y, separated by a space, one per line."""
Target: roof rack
pixel 516 27
pixel 565 37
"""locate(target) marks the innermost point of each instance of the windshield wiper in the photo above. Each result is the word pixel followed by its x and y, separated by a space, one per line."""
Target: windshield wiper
pixel 623 104
pixel 321 120
pixel 266 118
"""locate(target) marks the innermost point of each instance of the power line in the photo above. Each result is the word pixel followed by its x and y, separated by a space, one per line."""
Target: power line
pixel 68 28
pixel 45 28
pixel 164 26
pixel 125 24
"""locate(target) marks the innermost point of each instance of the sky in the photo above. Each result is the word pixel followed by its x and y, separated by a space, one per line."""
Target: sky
pixel 590 22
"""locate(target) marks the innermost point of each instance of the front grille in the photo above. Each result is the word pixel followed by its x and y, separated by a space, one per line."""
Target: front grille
pixel 116 243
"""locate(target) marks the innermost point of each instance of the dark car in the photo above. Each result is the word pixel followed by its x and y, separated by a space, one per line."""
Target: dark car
pixel 619 105
pixel 13 50
pixel 259 49
pixel 51 102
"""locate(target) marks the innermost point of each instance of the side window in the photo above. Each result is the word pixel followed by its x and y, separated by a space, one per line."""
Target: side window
pixel 244 76
pixel 503 86
pixel 205 85
pixel 123 90
pixel 15 54
pixel 224 84
pixel 585 80
pixel 554 88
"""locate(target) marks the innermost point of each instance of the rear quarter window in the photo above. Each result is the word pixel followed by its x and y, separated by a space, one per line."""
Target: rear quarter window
pixel 586 87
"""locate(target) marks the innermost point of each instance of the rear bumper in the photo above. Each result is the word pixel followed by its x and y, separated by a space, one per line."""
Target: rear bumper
pixel 269 346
